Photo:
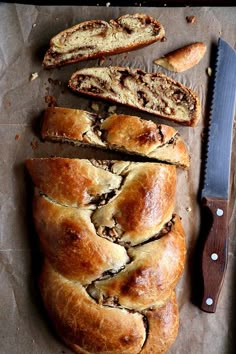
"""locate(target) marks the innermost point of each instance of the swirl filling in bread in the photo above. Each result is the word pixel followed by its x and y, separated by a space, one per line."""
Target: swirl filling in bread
pixel 93 39
pixel 151 92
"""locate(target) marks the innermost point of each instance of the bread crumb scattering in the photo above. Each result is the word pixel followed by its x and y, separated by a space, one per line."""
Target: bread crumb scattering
pixel 188 209
pixel 34 76
pixel 34 25
pixel 101 61
pixel 51 100
pixel 95 106
pixel 209 71
pixel 108 4
pixel 55 82
pixel 34 144
pixel 164 39
pixel 112 109
pixel 191 19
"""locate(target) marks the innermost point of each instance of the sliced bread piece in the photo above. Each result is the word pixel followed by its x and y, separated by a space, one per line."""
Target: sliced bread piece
pixel 93 39
pixel 129 134
pixel 151 92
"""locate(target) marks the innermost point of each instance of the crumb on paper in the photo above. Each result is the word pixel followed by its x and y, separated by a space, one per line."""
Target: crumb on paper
pixel 101 61
pixel 50 100
pixel 57 18
pixel 190 19
pixel 34 25
pixel 34 144
pixel 108 4
pixel 112 109
pixel 209 71
pixel 34 76
pixel 188 209
pixel 17 137
pixel 164 39
pixel 55 82
pixel 95 106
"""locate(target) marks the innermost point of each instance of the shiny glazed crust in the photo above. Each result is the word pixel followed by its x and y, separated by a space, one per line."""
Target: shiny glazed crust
pixel 183 58
pixel 113 254
pixel 121 132
pixel 154 93
pixel 96 38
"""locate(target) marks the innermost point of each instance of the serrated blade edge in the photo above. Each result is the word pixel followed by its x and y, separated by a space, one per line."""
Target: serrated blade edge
pixel 219 144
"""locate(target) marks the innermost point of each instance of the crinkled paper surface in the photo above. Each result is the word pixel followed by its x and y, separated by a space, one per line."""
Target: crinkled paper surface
pixel 25 32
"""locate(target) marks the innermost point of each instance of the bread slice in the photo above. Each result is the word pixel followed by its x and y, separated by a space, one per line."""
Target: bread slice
pixel 183 58
pixel 151 92
pixel 128 134
pixel 93 39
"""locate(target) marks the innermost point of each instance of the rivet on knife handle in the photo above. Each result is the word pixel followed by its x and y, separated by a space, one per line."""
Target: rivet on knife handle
pixel 214 257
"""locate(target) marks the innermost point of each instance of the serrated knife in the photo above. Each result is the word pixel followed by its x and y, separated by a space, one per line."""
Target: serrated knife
pixel 215 192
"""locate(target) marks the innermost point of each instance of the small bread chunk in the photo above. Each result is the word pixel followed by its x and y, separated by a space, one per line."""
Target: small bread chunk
pixel 183 58
pixel 120 132
pixel 150 92
pixel 94 39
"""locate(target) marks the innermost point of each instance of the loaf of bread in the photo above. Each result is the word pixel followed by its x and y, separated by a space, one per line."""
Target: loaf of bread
pixel 151 92
pixel 183 58
pixel 93 39
pixel 120 132
pixel 113 253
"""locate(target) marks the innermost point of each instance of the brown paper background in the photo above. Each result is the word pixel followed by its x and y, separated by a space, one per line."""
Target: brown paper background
pixel 24 328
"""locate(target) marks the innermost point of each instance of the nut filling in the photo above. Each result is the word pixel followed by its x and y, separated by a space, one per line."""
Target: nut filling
pixel 154 93
pixel 93 39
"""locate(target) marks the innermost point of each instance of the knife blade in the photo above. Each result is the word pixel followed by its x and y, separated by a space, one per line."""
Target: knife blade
pixel 215 192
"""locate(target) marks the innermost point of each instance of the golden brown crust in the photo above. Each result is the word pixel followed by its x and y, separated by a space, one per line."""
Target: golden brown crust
pixel 183 58
pixel 143 205
pixel 68 234
pixel 150 277
pixel 163 325
pixel 71 181
pixel 66 122
pixel 105 291
pixel 145 138
pixel 86 324
pixel 96 38
pixel 150 92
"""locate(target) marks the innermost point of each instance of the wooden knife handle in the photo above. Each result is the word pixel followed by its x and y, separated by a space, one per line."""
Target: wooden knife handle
pixel 215 253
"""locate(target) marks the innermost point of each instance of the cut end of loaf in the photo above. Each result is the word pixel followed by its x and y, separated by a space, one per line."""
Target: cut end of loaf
pixel 93 39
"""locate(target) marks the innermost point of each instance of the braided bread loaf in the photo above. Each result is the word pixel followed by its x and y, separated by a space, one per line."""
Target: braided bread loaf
pixel 113 250
pixel 93 39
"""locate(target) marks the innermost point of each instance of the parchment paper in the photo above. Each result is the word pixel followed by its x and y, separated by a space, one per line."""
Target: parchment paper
pixel 25 32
